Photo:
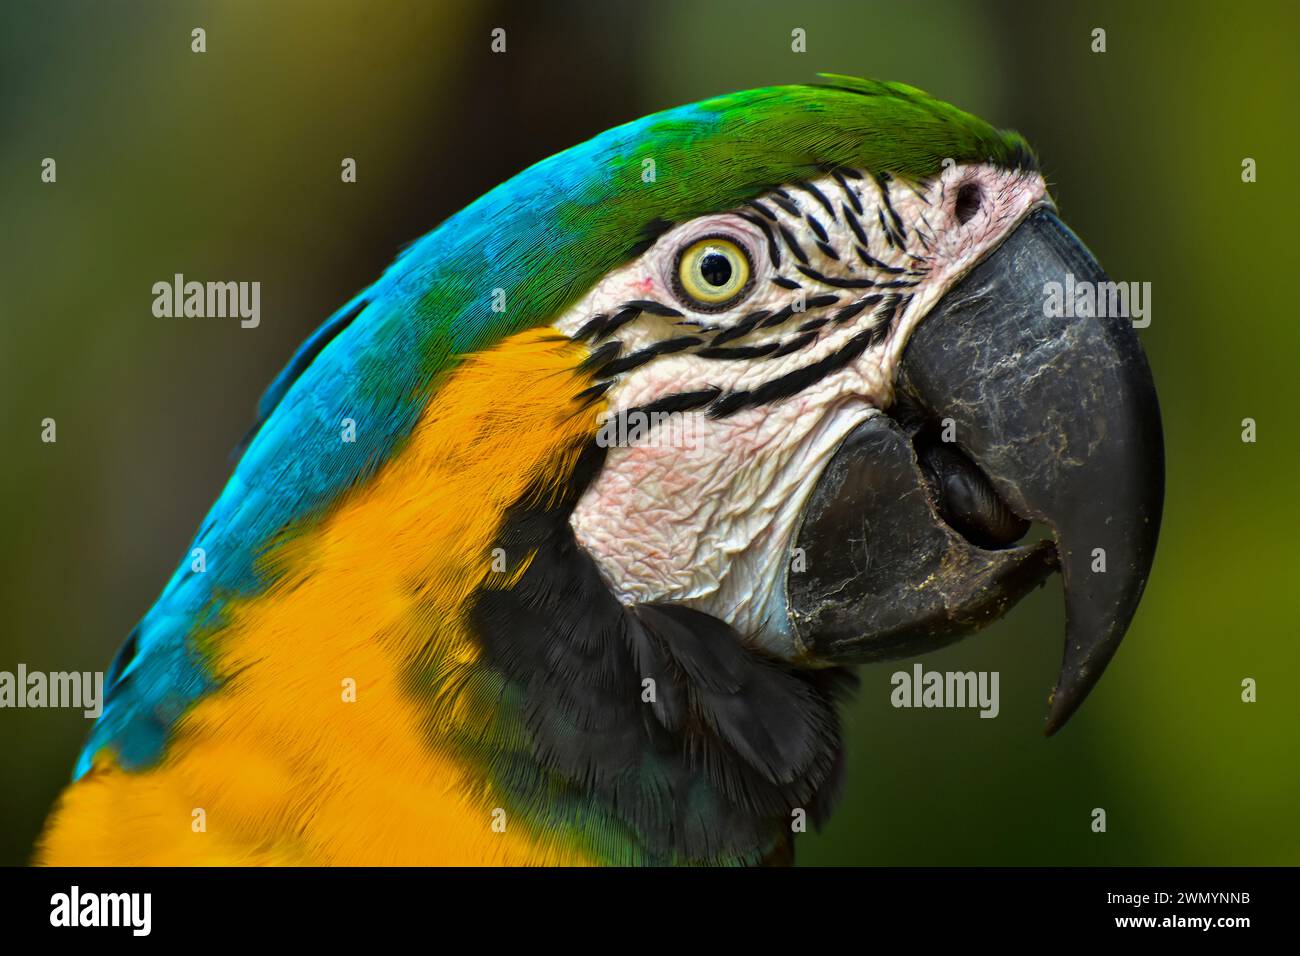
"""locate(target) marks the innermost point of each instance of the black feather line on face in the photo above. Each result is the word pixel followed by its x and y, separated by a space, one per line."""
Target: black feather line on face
pixel 642 356
pixel 794 382
pixel 828 251
pixel 589 396
pixel 848 191
pixel 882 181
pixel 822 300
pixel 853 308
pixel 682 401
pixel 773 250
pixel 817 194
pixel 592 328
pixel 619 319
pixel 889 235
pixel 885 314
pixel 600 357
pixel 875 263
pixel 920 235
pixel 776 318
pixel 741 328
pixel 793 244
pixel 740 352
pixel 839 283
pixel 858 231
pixel 707 772
pixel 651 307
pixel 782 199
pixel 795 344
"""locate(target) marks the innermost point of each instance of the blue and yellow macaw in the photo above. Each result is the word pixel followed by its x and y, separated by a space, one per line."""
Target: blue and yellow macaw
pixel 555 544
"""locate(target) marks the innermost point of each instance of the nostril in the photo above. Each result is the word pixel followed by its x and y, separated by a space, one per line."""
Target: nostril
pixel 969 197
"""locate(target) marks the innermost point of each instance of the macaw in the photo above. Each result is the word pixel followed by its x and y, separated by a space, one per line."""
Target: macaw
pixel 446 614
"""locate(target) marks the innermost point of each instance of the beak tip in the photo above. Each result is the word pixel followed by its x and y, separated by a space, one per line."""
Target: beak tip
pixel 1062 704
pixel 1080 673
pixel 1058 713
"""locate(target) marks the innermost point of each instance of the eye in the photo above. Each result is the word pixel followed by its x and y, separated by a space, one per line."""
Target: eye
pixel 712 273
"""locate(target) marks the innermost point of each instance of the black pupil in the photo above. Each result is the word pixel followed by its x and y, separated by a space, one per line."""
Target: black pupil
pixel 715 268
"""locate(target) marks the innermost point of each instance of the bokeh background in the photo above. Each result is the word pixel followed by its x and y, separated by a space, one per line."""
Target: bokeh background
pixel 226 165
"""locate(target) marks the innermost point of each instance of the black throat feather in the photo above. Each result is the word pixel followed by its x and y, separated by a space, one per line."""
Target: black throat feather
pixel 655 721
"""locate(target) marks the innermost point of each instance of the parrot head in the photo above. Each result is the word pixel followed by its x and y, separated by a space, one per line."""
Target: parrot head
pixel 834 403
pixel 651 443
pixel 853 400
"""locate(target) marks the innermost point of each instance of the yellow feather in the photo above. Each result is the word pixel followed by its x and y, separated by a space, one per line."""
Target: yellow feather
pixel 284 770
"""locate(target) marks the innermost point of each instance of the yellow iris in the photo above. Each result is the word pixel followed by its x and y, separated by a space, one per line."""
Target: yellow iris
pixel 713 271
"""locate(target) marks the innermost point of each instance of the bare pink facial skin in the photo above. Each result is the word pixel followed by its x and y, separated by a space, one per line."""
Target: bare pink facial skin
pixel 704 516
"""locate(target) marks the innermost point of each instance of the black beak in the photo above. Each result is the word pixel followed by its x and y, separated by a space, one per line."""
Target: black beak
pixel 1006 412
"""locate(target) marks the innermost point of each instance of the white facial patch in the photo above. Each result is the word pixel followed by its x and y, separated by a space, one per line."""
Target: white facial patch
pixel 701 508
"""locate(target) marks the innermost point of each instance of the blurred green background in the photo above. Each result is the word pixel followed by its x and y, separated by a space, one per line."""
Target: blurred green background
pixel 226 165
